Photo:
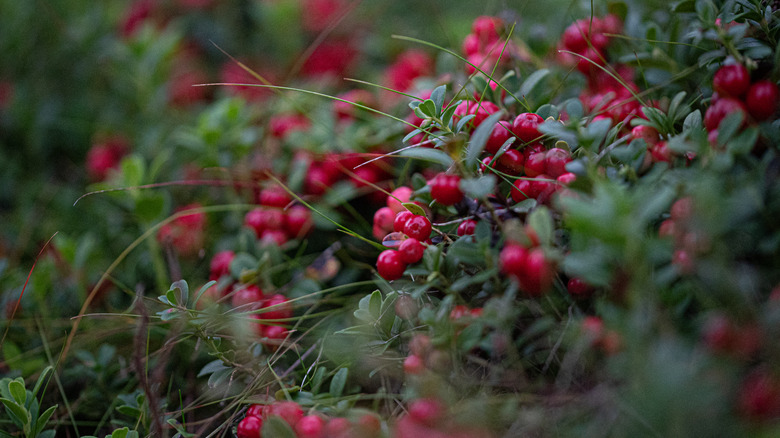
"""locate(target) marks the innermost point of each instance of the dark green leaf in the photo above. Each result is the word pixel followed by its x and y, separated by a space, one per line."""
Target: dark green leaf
pixel 338 382
pixel 463 121
pixel 212 367
pixel 478 187
pixel 428 154
pixel 533 81
pixel 276 427
pixel 19 414
pixel 437 97
pixel 541 220
pixel 43 419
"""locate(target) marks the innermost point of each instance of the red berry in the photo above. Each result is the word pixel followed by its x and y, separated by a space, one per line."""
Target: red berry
pixel 220 264
pixel 389 265
pixel 470 45
pixel 525 126
pixel 719 110
pixel 338 427
pixel 578 288
pixel 647 133
pixel 511 161
pixel 369 424
pixel 384 219
pixel 273 237
pixel 413 365
pixel 682 209
pixel 257 410
pixel 762 99
pixel 420 345
pixel 731 80
pixel 427 411
pixel 279 308
pixel 275 333
pixel 289 411
pixel 249 427
pixel 254 219
pixel 759 395
pixel 310 426
pixel 575 37
pixel 249 294
pixel 298 221
pixel 459 312
pixel 536 164
pixel 411 251
pixel 467 227
pixel 566 178
pixel 274 196
pixel 418 227
pixel 521 190
pixel 400 220
pixel 401 195
pixel 556 160
pixel 660 152
pixel 539 273
pixel 667 228
pixel 513 260
pixel 486 28
pixel 502 131
pixel 445 189
pixel 317 180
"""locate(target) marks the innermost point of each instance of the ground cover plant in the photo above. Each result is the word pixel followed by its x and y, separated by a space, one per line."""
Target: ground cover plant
pixel 301 218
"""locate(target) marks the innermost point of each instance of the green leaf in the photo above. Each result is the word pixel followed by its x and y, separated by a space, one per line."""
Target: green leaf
pixel 133 169
pixel 18 392
pixel 693 120
pixel 463 121
pixel 744 142
pixel 480 137
pixel 469 337
pixel 42 379
pixel 338 382
pixel 19 414
pixel 428 154
pixel 533 81
pixel 218 377
pixel 729 126
pixel 478 187
pixel 275 427
pixel 437 97
pixel 685 6
pixel 446 116
pixel 316 381
pixel 184 291
pixel 414 208
pixel 120 433
pixel 212 367
pixel 375 304
pixel 203 290
pixel 129 411
pixel 40 423
pixel 428 108
pixel 541 221
pixel 149 208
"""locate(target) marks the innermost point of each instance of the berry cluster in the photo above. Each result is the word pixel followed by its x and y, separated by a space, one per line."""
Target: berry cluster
pixel 269 310
pixel 735 92
pixel 484 47
pixel 312 425
pixel 276 221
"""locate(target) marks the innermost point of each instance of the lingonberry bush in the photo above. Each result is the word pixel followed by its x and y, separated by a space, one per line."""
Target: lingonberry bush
pixel 288 224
